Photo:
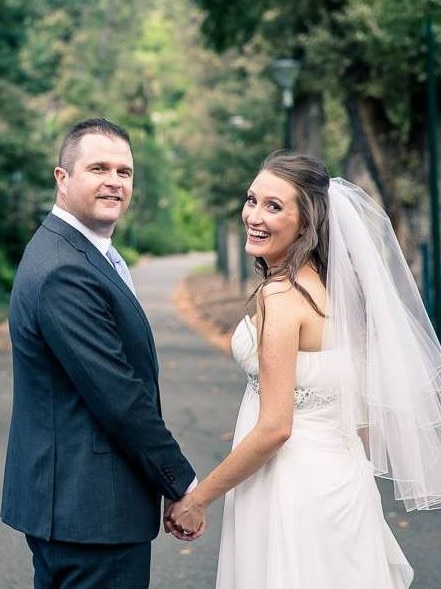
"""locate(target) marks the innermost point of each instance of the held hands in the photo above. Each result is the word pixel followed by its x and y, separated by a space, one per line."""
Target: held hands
pixel 185 519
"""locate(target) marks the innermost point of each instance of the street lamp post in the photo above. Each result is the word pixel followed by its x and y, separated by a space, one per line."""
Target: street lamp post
pixel 285 72
pixel 433 175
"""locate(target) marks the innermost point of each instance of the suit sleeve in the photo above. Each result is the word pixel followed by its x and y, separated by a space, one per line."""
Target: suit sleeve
pixel 78 323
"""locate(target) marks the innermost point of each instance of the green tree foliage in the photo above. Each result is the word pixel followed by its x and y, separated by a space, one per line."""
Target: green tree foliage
pixel 63 60
pixel 369 50
pixel 367 62
pixel 226 120
pixel 23 158
pixel 231 24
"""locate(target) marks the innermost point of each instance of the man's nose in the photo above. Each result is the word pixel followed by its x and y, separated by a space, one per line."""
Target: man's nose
pixel 113 178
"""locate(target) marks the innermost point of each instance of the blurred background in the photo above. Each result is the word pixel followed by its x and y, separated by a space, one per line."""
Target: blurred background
pixel 206 89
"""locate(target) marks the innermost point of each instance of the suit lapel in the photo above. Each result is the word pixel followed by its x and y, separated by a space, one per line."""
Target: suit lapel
pixel 96 259
pixel 92 254
pixel 82 244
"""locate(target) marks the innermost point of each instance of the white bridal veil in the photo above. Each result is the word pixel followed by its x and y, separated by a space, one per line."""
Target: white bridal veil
pixel 391 386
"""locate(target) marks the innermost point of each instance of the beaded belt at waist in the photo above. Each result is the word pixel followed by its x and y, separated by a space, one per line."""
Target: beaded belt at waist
pixel 305 397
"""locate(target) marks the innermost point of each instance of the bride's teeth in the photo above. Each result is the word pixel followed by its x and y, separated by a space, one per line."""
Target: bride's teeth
pixel 258 234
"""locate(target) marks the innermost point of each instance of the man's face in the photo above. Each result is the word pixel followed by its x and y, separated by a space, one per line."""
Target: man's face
pixel 99 188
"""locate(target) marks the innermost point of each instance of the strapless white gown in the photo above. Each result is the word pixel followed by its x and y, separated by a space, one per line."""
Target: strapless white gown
pixel 311 518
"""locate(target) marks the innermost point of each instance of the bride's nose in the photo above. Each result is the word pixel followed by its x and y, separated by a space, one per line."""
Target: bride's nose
pixel 254 216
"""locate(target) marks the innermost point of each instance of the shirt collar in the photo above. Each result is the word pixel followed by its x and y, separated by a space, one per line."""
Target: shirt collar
pixel 101 243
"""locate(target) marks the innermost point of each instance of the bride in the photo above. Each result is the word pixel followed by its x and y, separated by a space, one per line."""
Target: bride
pixel 343 384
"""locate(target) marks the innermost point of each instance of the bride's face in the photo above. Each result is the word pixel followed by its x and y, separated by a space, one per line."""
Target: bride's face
pixel 271 217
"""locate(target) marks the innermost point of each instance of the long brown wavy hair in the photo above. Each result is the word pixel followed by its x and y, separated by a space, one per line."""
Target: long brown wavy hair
pixel 310 178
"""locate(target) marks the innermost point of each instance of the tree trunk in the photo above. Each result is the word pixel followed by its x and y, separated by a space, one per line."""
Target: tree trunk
pixel 307 125
pixel 385 167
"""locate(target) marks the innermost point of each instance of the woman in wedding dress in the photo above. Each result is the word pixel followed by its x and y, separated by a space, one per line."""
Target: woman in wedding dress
pixel 343 384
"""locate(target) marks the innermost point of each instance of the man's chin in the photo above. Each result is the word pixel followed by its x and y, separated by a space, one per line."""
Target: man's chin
pixel 103 227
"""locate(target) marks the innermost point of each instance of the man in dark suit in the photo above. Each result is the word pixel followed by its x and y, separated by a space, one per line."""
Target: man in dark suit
pixel 89 456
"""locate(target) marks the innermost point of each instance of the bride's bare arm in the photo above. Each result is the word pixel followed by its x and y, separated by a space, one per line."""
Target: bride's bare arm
pixel 279 331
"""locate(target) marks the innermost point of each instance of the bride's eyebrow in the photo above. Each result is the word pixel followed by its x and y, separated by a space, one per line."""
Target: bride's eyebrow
pixel 274 199
pixel 266 196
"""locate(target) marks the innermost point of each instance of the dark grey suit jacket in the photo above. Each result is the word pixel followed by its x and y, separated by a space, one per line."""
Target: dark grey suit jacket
pixel 88 455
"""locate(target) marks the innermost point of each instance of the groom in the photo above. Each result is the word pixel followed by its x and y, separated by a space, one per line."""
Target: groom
pixel 89 456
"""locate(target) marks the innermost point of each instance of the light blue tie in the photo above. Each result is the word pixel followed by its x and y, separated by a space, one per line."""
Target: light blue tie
pixel 121 267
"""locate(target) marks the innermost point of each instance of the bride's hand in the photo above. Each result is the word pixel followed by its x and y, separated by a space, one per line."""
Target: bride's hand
pixel 187 519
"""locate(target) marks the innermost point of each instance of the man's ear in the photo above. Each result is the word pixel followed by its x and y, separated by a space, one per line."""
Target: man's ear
pixel 60 175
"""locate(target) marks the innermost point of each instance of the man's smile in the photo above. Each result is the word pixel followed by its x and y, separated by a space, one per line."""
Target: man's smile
pixel 111 197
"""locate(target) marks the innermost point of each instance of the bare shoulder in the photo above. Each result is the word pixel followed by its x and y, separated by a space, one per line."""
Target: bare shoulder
pixel 281 299
pixel 287 318
pixel 310 281
pixel 276 286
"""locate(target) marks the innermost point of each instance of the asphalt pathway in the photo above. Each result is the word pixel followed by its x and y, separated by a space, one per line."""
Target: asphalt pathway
pixel 201 391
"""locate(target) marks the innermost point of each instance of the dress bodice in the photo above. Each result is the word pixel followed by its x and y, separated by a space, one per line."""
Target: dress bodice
pixel 317 373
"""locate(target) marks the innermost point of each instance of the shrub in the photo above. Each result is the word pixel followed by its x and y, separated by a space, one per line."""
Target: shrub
pixel 6 273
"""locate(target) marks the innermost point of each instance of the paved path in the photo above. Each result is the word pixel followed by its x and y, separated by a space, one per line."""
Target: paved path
pixel 201 390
